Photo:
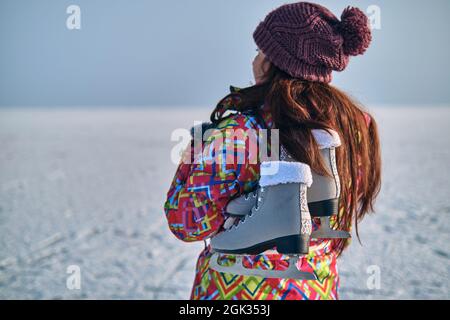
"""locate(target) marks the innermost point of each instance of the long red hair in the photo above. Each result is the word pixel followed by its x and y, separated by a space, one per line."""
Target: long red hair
pixel 297 106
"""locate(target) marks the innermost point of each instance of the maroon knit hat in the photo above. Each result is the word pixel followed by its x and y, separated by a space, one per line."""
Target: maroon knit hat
pixel 307 41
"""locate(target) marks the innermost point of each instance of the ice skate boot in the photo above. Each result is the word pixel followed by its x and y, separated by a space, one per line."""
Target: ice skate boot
pixel 279 218
pixel 323 195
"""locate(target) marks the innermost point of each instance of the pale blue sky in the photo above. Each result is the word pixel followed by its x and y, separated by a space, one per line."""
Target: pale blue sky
pixel 187 52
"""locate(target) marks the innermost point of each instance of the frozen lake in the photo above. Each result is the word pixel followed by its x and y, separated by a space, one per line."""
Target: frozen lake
pixel 86 188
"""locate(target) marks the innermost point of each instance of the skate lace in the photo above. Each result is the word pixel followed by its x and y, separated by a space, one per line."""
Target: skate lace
pixel 258 193
pixel 253 194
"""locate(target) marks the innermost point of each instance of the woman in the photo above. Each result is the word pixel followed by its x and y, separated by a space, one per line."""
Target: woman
pixel 299 45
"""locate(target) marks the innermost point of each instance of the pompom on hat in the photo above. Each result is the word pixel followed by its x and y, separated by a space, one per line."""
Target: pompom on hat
pixel 308 41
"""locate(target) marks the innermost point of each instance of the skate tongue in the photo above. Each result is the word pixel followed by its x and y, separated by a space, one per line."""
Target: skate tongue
pixel 258 194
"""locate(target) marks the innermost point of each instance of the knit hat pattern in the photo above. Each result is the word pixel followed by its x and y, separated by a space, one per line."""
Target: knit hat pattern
pixel 308 41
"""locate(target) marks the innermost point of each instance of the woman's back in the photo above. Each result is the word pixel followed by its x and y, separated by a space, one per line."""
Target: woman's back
pixel 300 45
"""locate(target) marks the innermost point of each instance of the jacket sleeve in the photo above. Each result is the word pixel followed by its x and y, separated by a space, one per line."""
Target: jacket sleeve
pixel 199 192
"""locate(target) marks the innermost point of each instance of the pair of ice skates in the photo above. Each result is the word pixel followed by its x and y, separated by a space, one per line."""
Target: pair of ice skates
pixel 278 214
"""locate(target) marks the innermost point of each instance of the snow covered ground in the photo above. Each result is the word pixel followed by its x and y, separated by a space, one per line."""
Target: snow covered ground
pixel 86 188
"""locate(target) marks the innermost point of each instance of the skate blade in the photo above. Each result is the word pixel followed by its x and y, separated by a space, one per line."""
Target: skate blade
pixel 325 232
pixel 330 234
pixel 238 268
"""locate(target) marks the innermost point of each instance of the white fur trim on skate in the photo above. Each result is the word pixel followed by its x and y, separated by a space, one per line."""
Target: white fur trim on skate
pixel 278 172
pixel 326 139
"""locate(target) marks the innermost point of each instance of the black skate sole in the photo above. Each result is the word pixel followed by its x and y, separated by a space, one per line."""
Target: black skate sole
pixel 293 245
pixel 324 208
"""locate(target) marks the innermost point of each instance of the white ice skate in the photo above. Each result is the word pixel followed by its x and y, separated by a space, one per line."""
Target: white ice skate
pixel 279 218
pixel 323 195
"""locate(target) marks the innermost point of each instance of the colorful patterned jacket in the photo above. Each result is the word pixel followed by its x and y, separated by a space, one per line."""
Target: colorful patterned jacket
pixel 195 210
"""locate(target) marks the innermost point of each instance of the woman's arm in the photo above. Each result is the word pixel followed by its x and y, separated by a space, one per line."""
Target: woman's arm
pixel 200 191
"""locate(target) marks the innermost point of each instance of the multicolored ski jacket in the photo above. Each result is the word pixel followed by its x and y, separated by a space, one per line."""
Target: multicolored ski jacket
pixel 195 210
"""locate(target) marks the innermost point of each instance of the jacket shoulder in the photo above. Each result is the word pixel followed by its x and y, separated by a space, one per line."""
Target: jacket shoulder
pixel 240 120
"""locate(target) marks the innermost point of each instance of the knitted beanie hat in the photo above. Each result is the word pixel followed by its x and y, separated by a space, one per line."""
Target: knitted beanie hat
pixel 307 41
